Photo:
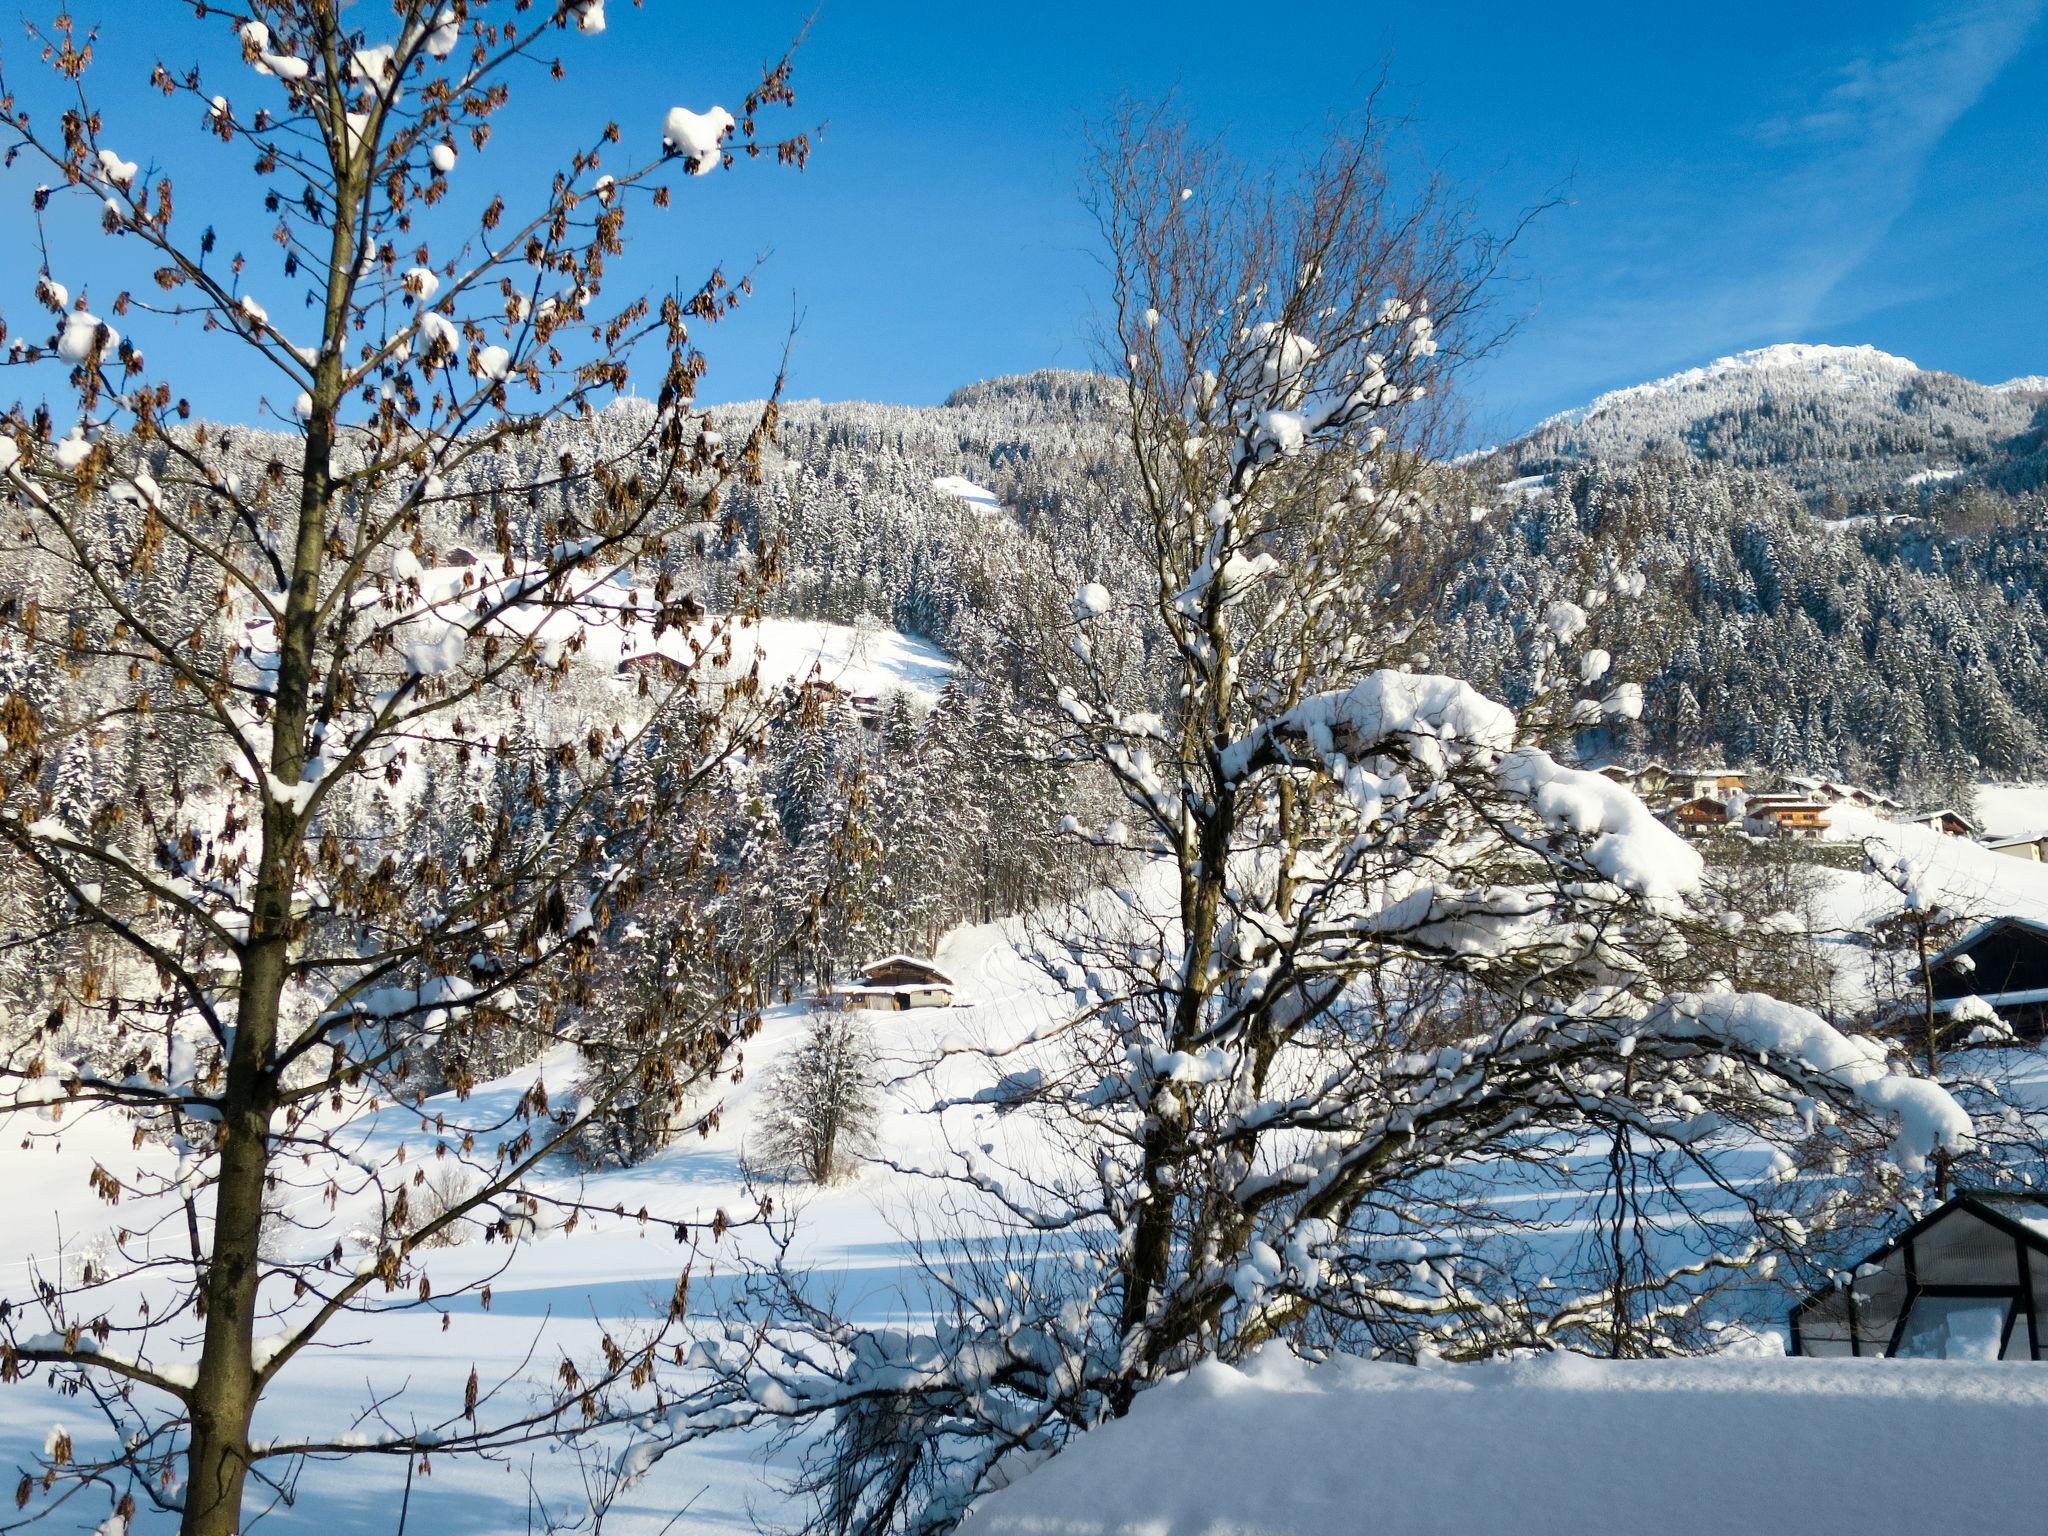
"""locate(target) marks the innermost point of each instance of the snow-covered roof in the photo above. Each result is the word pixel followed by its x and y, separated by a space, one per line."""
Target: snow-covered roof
pixel 2015 841
pixel 1941 813
pixel 1996 1000
pixel 919 963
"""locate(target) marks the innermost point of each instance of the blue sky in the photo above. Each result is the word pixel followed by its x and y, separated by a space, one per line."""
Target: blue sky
pixel 1730 176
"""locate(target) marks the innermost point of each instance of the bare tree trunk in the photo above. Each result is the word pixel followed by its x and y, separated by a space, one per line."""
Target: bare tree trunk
pixel 224 1396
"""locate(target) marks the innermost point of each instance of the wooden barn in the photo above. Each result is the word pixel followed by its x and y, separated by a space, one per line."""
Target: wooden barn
pixel 892 984
pixel 2005 963
pixel 1967 1281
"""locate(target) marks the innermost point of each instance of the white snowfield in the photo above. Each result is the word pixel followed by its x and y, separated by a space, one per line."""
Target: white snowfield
pixel 978 497
pixel 856 661
pixel 1557 1445
pixel 2012 810
pixel 1955 872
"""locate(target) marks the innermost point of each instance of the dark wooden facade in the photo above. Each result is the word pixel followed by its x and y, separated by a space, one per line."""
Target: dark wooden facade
pixel 2005 962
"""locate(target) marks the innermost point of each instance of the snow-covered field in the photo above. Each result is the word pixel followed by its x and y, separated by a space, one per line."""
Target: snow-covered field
pixel 1964 876
pixel 2012 810
pixel 1730 1444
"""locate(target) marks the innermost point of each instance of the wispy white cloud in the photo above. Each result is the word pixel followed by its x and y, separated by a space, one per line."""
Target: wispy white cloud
pixel 1756 257
pixel 1857 155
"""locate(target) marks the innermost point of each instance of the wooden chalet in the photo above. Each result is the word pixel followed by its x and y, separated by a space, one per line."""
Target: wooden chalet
pixel 1786 815
pixel 1705 783
pixel 891 985
pixel 1661 781
pixel 1947 821
pixel 656 664
pixel 1702 813
pixel 2003 962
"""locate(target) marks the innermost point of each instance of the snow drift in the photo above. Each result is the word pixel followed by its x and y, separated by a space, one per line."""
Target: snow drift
pixel 1558 1445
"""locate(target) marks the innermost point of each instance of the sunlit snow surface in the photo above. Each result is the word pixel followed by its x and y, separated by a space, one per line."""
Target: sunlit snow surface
pixel 962 489
pixel 1554 1446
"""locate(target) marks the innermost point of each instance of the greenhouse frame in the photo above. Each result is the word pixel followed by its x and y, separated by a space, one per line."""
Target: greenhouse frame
pixel 1969 1280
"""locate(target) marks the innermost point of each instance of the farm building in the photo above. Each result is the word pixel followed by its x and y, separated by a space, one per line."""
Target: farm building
pixel 1967 1281
pixel 1702 813
pixel 2004 963
pixel 893 983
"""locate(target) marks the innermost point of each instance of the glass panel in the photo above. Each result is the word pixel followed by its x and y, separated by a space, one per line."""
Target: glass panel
pixel 1960 1249
pixel 1955 1328
pixel 1824 1326
pixel 1880 1296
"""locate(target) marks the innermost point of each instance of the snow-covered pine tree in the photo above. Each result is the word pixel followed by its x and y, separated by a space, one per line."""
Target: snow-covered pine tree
pixel 268 970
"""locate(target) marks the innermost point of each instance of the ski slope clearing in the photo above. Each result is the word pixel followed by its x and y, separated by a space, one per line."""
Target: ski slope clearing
pixel 854 660
pixel 966 491
pixel 1556 1445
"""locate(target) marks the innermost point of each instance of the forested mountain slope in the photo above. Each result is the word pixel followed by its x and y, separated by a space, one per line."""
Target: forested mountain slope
pixel 1838 423
pixel 1908 649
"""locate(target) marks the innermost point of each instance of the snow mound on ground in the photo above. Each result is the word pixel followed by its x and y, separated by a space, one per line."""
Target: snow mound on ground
pixel 1553 1446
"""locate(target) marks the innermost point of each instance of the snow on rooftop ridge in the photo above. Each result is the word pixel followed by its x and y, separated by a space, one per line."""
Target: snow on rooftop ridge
pixel 1857 367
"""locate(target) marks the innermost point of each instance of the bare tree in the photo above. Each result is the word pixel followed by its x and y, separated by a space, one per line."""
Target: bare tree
pixel 256 970
pixel 823 1099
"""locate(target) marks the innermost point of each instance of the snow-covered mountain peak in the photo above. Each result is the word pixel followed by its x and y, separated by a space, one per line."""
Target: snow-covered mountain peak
pixel 1848 369
pixel 1828 420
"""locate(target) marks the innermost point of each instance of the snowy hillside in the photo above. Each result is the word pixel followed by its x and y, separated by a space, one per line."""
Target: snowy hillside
pixel 559 1288
pixel 1757 373
pixel 1828 418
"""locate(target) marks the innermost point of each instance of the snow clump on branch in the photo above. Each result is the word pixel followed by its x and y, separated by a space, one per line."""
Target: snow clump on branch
pixel 696 136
